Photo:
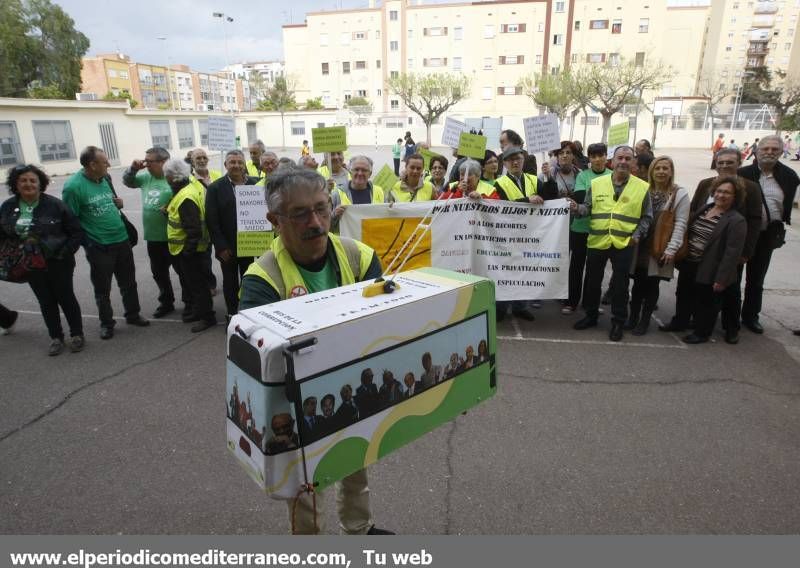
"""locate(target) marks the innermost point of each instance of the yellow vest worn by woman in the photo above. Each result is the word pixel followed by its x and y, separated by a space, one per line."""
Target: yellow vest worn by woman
pixel 176 235
pixel 612 222
pixel 424 193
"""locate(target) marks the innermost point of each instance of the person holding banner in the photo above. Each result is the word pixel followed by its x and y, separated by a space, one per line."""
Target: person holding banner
pixel 305 258
pixel 470 184
pixel 412 186
pixel 620 213
pixel 222 224
pixel 359 190
pixel 253 165
pixel 188 240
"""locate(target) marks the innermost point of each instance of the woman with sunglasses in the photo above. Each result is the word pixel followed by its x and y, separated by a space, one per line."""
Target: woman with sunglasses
pixel 45 222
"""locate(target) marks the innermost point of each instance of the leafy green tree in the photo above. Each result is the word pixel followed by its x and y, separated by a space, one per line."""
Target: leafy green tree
pixel 582 96
pixel 551 91
pixel 39 42
pixel 430 96
pixel 109 96
pixel 314 104
pixel 280 97
pixel 38 91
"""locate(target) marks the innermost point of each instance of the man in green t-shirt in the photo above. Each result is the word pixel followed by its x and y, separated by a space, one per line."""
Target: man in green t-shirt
pixel 156 194
pixel 90 197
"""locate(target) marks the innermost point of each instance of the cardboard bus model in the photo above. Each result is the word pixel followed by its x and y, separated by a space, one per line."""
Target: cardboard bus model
pixel 322 385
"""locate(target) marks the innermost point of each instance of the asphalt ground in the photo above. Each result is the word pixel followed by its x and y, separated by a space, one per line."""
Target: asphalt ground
pixel 585 436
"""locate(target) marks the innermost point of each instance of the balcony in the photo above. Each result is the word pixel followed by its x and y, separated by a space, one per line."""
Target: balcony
pixel 763 21
pixel 766 8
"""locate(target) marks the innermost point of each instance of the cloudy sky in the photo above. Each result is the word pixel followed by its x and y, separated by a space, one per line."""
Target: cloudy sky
pixel 194 37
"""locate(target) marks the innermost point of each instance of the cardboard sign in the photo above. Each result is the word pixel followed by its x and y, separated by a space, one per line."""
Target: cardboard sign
pixel 618 134
pixel 452 130
pixel 426 156
pixel 221 133
pixel 254 232
pixel 542 133
pixel 472 145
pixel 385 178
pixel 329 139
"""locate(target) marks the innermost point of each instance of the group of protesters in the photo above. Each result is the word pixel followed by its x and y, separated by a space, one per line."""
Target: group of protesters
pixel 628 210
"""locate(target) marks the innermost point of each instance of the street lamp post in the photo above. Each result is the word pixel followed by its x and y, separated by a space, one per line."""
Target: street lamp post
pixel 166 74
pixel 224 18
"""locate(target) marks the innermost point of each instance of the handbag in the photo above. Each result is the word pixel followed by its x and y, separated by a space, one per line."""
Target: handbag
pixel 775 233
pixel 18 259
pixel 662 233
pixel 133 234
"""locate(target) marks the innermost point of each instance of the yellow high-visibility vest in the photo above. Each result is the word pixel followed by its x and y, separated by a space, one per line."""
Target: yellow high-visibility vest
pixel 176 235
pixel 613 222
pixel 424 193
pixel 377 195
pixel 252 170
pixel 513 192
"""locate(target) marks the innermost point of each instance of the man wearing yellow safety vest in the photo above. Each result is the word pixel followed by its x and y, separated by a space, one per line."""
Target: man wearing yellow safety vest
pixel 253 165
pixel 359 190
pixel 516 185
pixel 188 240
pixel 305 258
pixel 412 186
pixel 334 171
pixel 620 213
pixel 268 164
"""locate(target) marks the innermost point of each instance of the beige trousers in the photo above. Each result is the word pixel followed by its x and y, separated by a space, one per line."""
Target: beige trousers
pixel 352 504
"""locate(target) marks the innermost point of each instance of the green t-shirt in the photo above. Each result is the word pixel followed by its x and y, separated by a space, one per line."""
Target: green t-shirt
pixel 325 279
pixel 156 194
pixel 93 205
pixel 25 218
pixel 582 183
pixel 396 151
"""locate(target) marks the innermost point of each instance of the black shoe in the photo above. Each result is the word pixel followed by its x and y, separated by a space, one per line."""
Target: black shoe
pixel 606 300
pixel 693 339
pixel 106 332
pixel 137 320
pixel 161 311
pixel 796 332
pixel 671 326
pixel 732 336
pixel 203 325
pixel 14 317
pixel 585 323
pixel 190 318
pixel 643 325
pixel 500 314
pixel 616 332
pixel 631 323
pixel 753 326
pixel 373 530
pixel 524 313
pixel 187 311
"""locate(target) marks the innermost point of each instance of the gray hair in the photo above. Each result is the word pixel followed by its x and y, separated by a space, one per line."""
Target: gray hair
pixel 160 153
pixel 731 151
pixel 303 159
pixel 260 145
pixel 267 154
pixel 361 157
pixel 771 138
pixel 230 153
pixel 623 147
pixel 177 169
pixel 285 182
pixel 471 167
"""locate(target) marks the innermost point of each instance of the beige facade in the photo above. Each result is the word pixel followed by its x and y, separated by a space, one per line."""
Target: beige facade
pixel 350 53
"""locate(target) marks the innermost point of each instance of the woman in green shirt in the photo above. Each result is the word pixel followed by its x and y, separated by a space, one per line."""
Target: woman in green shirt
pixel 46 223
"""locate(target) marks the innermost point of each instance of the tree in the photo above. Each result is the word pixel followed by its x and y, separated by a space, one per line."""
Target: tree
pixel 430 96
pixel 712 87
pixel 582 97
pixel 360 106
pixel 615 86
pixel 125 96
pixel 280 97
pixel 38 91
pixel 39 42
pixel 314 104
pixel 551 91
pixel 784 97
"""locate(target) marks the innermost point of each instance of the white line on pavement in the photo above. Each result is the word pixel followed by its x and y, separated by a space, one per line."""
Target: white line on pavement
pixel 92 316
pixel 591 342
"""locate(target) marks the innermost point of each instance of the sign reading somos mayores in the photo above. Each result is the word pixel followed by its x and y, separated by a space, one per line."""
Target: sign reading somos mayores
pixel 253 231
pixel 221 133
pixel 523 248
pixel 472 145
pixel 329 139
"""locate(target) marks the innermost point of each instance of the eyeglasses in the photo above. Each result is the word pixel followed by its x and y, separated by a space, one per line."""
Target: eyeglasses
pixel 727 163
pixel 303 217
pixel 153 161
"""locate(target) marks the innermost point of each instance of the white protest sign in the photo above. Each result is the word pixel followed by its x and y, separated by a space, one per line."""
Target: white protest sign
pixel 221 133
pixel 254 232
pixel 524 248
pixel 452 131
pixel 542 133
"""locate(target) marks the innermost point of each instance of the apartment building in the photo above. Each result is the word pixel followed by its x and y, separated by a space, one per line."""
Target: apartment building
pixel 267 70
pixel 351 53
pixel 743 36
pixel 107 73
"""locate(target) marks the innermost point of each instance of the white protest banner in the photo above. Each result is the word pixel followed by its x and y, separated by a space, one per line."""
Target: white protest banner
pixel 542 133
pixel 221 133
pixel 253 231
pixel 452 131
pixel 524 248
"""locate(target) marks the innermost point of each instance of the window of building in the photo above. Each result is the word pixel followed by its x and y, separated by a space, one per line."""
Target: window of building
pixel 509 90
pixel 590 120
pixel 559 6
pixel 512 28
pixel 511 59
pixel 538 58
pixel 573 58
pixel 540 27
pixel 728 47
pixel 323 39
pixel 393 15
pixel 486 94
pixel 613 59
pixel 787 46
pixel 394 74
pixel 123 74
pixel 487 62
pixel 488 31
pixel 298 128
pixel 598 24
pixel 393 46
pixel 202 126
pixel 410 34
pixel 325 69
pixel 595 57
pixel 434 62
pixel 577 25
pixel 379 92
pixel 394 104
pixel 112 73
pixel 347 95
pixel 359 35
pixel 377 34
pixel 185 133
pixel 10 148
pixel 361 64
pixel 558 39
pixel 159 132
pixel 361 93
pixel 616 27
pixel 644 25
pixel 458 33
pixel 438 31
pixel 54 139
pixel 345 67
pixel 377 64
pixel 457 64
pixel 410 63
pixel 639 60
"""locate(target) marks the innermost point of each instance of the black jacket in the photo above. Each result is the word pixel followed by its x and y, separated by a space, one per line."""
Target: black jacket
pixel 221 213
pixel 785 176
pixel 54 226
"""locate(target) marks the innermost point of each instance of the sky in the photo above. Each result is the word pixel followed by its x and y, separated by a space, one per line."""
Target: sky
pixel 193 36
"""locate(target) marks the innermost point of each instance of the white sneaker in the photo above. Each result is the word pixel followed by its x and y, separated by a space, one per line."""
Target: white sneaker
pixel 7 330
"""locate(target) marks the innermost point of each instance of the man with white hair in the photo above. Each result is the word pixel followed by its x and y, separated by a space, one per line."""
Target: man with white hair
pixel 188 240
pixel 778 185
pixel 256 150
pixel 268 164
